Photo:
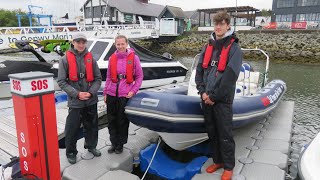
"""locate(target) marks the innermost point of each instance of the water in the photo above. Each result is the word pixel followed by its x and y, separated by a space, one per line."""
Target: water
pixel 303 88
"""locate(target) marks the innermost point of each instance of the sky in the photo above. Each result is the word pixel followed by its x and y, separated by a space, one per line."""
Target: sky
pixel 58 8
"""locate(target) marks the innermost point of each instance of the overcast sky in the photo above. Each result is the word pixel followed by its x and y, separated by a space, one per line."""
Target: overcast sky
pixel 59 7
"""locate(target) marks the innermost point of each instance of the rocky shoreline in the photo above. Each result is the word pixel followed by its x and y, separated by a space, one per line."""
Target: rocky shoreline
pixel 281 47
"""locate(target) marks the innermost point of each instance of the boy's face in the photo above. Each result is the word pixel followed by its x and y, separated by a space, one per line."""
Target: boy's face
pixel 221 28
pixel 79 45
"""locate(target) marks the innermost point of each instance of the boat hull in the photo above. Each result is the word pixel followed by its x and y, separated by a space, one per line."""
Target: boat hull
pixel 309 161
pixel 176 113
pixel 179 118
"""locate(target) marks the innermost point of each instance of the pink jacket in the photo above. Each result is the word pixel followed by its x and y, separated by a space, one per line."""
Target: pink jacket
pixel 124 88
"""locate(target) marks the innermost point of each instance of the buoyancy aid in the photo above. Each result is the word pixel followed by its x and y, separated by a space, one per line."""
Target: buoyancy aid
pixel 223 56
pixel 129 68
pixel 73 69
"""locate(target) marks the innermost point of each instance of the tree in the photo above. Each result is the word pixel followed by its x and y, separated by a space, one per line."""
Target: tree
pixel 266 13
pixel 8 18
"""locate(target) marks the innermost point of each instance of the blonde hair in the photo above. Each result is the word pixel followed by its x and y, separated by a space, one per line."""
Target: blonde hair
pixel 121 37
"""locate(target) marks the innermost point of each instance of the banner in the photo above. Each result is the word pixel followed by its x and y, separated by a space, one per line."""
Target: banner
pixel 298 25
pixel 271 25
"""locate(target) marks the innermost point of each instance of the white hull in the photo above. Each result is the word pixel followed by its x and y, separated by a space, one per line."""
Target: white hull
pixel 309 163
pixel 181 141
pixel 5 91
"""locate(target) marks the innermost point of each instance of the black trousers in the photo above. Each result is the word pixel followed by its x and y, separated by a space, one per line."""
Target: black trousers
pixel 218 121
pixel 88 116
pixel 118 123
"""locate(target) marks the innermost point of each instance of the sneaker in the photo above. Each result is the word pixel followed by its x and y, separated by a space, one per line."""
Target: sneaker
pixel 72 159
pixel 111 149
pixel 212 168
pixel 226 175
pixel 119 149
pixel 95 152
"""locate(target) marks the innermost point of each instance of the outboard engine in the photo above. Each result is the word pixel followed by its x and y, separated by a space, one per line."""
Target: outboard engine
pixel 167 55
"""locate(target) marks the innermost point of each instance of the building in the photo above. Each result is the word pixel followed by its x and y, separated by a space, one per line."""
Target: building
pixel 243 17
pixel 296 11
pixel 119 11
pixel 176 14
pixel 193 16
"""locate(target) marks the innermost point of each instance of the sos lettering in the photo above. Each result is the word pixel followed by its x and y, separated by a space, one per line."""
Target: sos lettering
pixel 39 85
pixel 16 85
pixel 24 151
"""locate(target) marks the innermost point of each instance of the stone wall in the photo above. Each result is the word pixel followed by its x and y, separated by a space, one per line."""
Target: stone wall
pixel 297 47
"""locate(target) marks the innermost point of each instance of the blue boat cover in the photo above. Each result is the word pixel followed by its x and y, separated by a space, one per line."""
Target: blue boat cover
pixel 177 113
pixel 166 168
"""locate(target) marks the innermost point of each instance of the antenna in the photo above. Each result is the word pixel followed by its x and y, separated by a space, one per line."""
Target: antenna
pixel 105 10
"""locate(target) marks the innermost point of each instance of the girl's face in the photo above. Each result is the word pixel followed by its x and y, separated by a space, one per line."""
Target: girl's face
pixel 121 44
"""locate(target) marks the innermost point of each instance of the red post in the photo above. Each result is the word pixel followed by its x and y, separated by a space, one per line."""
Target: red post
pixel 35 115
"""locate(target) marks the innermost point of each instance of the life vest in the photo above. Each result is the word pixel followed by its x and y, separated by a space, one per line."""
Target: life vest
pixel 129 67
pixel 73 69
pixel 223 56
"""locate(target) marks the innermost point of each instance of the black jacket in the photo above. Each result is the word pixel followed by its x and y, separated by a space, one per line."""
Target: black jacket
pixel 220 88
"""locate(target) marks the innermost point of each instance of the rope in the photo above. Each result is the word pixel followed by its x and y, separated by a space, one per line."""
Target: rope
pixel 154 153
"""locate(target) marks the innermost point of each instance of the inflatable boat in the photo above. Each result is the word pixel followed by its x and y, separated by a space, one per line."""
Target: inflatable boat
pixel 178 118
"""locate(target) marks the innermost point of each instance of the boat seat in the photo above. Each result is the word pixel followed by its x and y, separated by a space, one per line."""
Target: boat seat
pixel 241 74
pixel 172 170
pixel 247 69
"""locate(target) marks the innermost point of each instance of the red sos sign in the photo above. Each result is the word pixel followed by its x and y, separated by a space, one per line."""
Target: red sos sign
pixel 16 85
pixel 39 85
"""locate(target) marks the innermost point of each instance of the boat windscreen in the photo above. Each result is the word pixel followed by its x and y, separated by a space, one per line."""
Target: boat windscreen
pixel 110 52
pixel 147 55
pixel 89 44
pixel 98 49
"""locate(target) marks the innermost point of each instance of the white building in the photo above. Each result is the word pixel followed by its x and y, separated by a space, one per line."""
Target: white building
pixel 119 11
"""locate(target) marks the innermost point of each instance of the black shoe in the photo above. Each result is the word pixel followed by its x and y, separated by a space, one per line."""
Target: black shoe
pixel 95 152
pixel 119 149
pixel 112 149
pixel 72 159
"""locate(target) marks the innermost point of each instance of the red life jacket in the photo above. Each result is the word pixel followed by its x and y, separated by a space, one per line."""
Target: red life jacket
pixel 129 67
pixel 73 70
pixel 223 56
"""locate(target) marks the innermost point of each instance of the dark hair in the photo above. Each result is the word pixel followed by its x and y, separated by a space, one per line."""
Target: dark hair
pixel 220 16
pixel 121 37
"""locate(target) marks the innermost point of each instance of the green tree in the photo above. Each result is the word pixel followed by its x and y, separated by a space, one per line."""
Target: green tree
pixel 266 13
pixel 8 18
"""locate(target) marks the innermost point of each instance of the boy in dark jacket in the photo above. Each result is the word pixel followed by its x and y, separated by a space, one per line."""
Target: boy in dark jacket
pixel 79 76
pixel 216 76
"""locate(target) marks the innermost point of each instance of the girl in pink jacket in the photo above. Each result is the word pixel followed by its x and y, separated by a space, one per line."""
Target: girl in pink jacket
pixel 124 78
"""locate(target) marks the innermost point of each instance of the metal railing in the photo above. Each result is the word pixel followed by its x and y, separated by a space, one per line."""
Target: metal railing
pixel 265 74
pixel 51 29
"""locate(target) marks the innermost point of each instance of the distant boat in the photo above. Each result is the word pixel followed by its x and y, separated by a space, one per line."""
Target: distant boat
pixel 71 23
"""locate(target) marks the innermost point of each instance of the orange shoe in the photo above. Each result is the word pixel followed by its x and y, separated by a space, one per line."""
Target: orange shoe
pixel 212 168
pixel 226 175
